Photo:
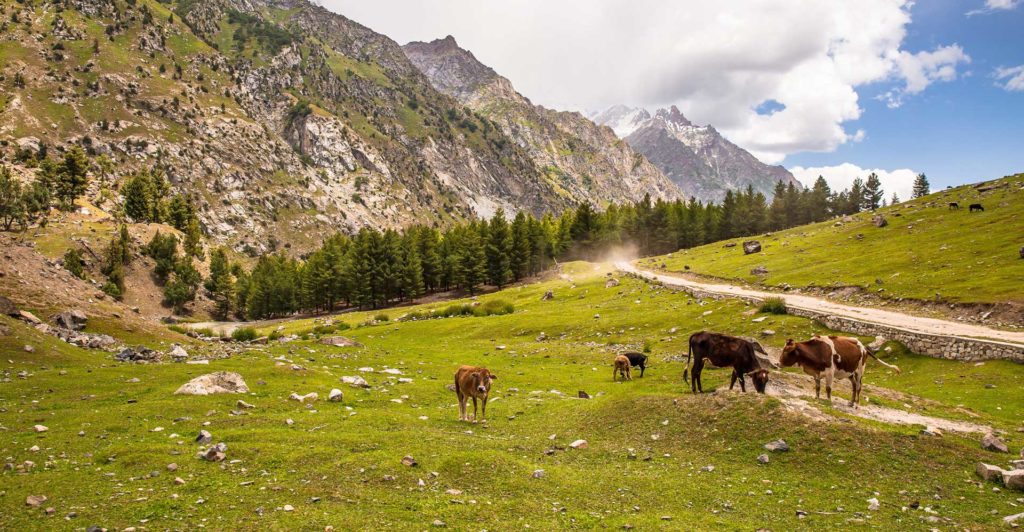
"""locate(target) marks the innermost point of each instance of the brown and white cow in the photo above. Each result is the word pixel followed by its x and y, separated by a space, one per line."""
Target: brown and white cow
pixel 724 351
pixel 831 357
pixel 621 366
pixel 473 382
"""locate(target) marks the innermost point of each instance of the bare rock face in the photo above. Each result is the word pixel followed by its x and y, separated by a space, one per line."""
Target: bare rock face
pixel 751 246
pixel 8 308
pixel 74 320
pixel 211 383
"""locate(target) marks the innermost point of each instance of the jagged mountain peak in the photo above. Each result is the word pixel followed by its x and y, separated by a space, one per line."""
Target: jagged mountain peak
pixel 673 115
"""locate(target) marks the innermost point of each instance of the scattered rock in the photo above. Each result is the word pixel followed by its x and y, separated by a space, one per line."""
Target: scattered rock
pixel 340 341
pixel 873 504
pixel 215 453
pixel 310 397
pixel 931 431
pixel 178 353
pixel 74 320
pixel 439 523
pixel 242 404
pixel 8 308
pixel 35 501
pixel 548 296
pixel 1014 479
pixel 40 428
pixel 541 337
pixel 211 383
pixel 538 473
pixel 991 442
pixel 768 332
pixel 335 396
pixel 355 382
pixel 409 461
pixel 27 316
pixel 583 395
pixel 777 446
pixel 204 437
pixel 172 467
pixel 178 481
pixel 763 458
pixel 760 270
pixel 137 354
pixel 288 508
pixel 29 349
pixel 879 220
pixel 579 444
pixel 708 468
pixel 989 472
pixel 751 246
pixel 611 283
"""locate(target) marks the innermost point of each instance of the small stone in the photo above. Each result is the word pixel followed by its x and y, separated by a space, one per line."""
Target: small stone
pixel 708 468
pixel 763 458
pixel 989 472
pixel 204 437
pixel 990 442
pixel 409 461
pixel 579 444
pixel 242 404
pixel 288 508
pixel 335 396
pixel 178 481
pixel 40 428
pixel 931 431
pixel 873 504
pixel 538 473
pixel 583 395
pixel 777 446
pixel 29 349
pixel 172 467
pixel 1014 479
pixel 439 523
pixel 35 501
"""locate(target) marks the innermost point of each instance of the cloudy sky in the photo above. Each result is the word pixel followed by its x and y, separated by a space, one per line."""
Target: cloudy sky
pixel 832 87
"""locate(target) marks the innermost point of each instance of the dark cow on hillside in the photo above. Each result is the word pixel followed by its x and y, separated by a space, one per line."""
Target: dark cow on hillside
pixel 637 360
pixel 725 351
pixel 976 207
pixel 954 206
pixel 471 381
pixel 831 357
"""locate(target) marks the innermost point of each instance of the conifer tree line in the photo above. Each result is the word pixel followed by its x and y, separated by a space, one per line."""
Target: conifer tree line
pixel 376 268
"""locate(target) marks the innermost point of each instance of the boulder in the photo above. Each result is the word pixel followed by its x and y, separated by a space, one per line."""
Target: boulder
pixel 760 270
pixel 35 501
pixel 611 283
pixel 335 396
pixel 211 383
pixel 204 437
pixel 355 382
pixel 991 442
pixel 216 453
pixel 583 395
pixel 178 353
pixel 27 316
pixel 8 308
pixel 71 319
pixel 409 461
pixel 751 246
pixel 879 221
pixel 989 472
pixel 777 445
pixel 340 341
pixel 137 354
pixel 1014 479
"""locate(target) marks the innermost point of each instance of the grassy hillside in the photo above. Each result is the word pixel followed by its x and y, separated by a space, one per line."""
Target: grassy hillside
pixel 925 250
pixel 111 438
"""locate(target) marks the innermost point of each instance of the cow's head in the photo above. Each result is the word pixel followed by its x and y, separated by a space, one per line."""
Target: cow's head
pixel 760 379
pixel 482 380
pixel 788 356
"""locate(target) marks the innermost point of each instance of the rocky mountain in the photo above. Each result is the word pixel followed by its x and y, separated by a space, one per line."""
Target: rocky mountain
pixel 577 157
pixel 698 159
pixel 283 120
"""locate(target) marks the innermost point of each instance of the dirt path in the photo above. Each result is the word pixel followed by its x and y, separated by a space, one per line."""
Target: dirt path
pixel 883 317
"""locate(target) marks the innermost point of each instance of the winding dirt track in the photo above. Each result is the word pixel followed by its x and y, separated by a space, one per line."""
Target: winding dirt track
pixel 871 315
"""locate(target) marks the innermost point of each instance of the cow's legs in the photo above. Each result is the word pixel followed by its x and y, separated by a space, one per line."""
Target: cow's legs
pixel 698 367
pixel 629 373
pixel 615 373
pixel 741 376
pixel 483 410
pixel 642 368
pixel 732 380
pixel 462 407
pixel 474 409
pixel 817 386
pixel 828 385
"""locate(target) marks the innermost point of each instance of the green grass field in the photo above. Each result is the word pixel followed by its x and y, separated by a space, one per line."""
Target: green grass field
pixel 339 464
pixel 925 250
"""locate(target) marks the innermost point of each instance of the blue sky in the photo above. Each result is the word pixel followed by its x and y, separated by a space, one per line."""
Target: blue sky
pixel 964 130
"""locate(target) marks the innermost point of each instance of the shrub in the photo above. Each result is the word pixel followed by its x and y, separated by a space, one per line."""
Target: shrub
pixel 275 335
pixel 73 263
pixel 208 333
pixel 647 346
pixel 494 307
pixel 381 317
pixel 178 329
pixel 773 305
pixel 244 334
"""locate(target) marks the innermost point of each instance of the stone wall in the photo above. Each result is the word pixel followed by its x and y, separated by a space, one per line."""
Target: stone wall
pixel 950 347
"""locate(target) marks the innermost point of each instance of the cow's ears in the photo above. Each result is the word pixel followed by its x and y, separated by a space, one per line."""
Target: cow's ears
pixel 493 377
pixel 789 341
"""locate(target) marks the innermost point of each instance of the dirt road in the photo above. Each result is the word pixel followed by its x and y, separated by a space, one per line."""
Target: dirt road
pixel 871 315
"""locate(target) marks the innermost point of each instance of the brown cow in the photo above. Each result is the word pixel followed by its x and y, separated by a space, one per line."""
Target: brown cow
pixel 621 366
pixel 831 357
pixel 722 350
pixel 471 381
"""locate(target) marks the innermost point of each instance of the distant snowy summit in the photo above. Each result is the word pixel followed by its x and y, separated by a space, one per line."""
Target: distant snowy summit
pixel 698 159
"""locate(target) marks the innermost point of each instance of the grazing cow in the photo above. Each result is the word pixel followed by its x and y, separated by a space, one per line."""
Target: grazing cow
pixel 637 360
pixel 721 351
pixel 621 367
pixel 471 381
pixel 954 206
pixel 831 357
pixel 976 207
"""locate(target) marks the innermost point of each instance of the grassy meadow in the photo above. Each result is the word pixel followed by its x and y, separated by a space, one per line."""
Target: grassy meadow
pixel 104 460
pixel 925 250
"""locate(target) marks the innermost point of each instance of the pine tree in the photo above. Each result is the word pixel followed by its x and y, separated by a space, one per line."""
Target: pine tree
pixel 220 285
pixel 895 199
pixel 472 267
pixel 411 278
pixel 193 242
pixel 921 187
pixel 873 192
pixel 138 195
pixel 519 256
pixel 855 197
pixel 73 263
pixel 499 242
pixel 69 178
pixel 820 198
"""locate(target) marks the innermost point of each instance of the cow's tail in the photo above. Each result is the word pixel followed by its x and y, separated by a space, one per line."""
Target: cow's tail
pixel 868 352
pixel 686 369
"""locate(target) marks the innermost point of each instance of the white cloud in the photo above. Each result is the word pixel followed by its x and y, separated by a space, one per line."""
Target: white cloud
pixel 841 177
pixel 1013 78
pixel 717 61
pixel 994 5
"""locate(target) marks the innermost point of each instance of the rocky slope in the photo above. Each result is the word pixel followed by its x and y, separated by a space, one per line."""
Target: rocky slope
pixel 579 158
pixel 698 159
pixel 284 120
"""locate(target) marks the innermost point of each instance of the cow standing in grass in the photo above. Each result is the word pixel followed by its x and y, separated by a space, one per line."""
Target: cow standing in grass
pixel 621 366
pixel 724 351
pixel 473 382
pixel 831 357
